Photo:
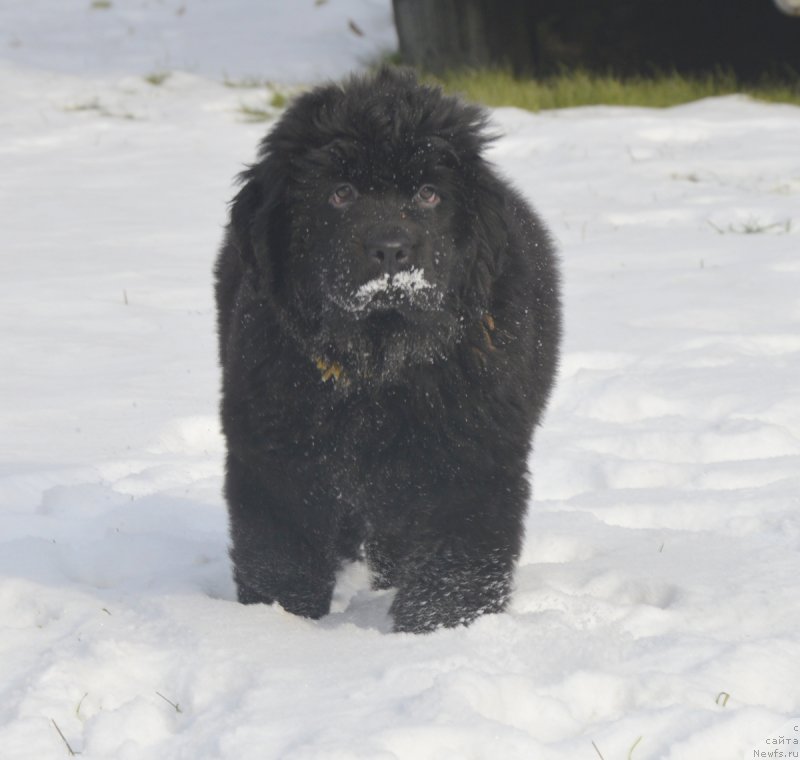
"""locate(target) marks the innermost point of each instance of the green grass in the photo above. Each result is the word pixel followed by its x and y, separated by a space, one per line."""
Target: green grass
pixel 157 78
pixel 568 90
pixel 96 106
pixel 246 83
pixel 279 100
pixel 270 107
pixel 255 113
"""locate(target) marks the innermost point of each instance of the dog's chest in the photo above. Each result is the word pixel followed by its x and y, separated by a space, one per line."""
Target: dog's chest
pixel 368 444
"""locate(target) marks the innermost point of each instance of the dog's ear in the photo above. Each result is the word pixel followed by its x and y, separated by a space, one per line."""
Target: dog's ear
pixel 258 223
pixel 489 233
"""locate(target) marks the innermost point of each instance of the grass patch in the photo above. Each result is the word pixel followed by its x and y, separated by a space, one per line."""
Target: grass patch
pixel 96 106
pixel 278 100
pixel 269 108
pixel 568 90
pixel 86 105
pixel 256 113
pixel 630 751
pixel 245 83
pixel 100 5
pixel 157 78
pixel 753 227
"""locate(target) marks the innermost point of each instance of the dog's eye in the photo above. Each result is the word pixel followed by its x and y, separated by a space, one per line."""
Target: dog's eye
pixel 428 196
pixel 343 195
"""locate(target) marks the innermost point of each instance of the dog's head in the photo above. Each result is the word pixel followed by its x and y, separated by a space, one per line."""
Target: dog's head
pixel 366 221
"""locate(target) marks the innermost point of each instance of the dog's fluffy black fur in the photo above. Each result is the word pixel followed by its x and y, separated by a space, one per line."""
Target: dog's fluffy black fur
pixel 389 324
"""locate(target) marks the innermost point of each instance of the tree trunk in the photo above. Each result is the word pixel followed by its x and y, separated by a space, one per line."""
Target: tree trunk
pixel 443 35
pixel 750 38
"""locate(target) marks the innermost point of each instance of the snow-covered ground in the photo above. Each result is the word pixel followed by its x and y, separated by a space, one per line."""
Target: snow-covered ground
pixel 657 610
pixel 239 40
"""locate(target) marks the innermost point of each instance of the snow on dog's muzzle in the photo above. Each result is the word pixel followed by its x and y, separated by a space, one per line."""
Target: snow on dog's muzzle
pixel 403 289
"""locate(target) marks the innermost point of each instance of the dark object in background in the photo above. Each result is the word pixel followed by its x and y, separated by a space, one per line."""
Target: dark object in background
pixel 789 7
pixel 389 325
pixel 750 38
pixel 443 35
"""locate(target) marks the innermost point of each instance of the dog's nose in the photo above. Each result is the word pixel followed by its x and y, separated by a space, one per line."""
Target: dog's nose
pixel 392 253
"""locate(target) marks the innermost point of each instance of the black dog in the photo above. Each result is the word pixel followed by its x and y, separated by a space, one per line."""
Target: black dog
pixel 389 325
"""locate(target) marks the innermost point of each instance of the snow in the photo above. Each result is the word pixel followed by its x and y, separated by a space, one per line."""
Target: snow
pixel 407 285
pixel 657 594
pixel 240 40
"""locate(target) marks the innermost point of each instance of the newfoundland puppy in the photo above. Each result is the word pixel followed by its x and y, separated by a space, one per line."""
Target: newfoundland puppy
pixel 389 325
